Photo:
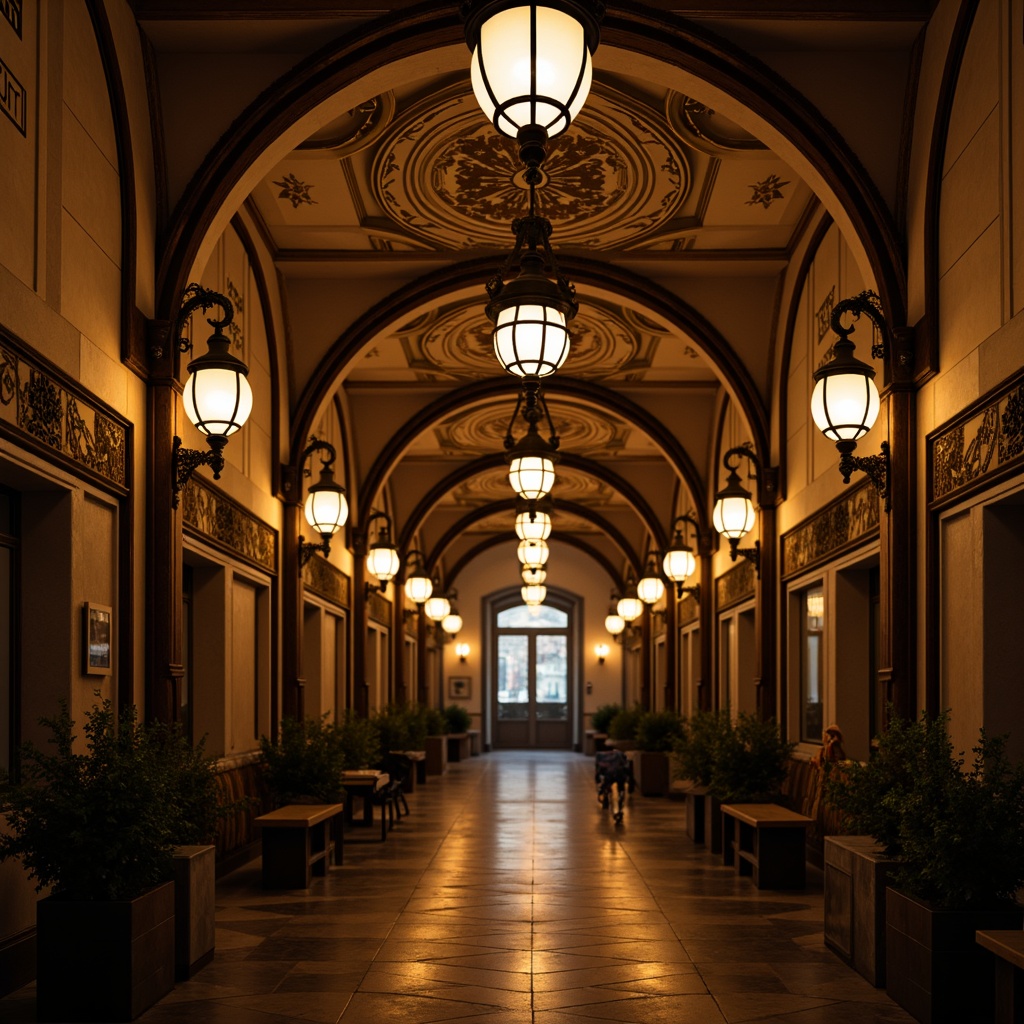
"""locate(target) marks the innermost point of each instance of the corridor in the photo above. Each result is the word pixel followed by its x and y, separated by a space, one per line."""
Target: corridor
pixel 509 897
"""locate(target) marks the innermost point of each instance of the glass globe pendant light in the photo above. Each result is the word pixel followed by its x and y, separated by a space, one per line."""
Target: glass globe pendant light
pixel 533 553
pixel 650 588
pixel 532 521
pixel 680 562
pixel 452 623
pixel 382 558
pixel 629 607
pixel 533 594
pixel 418 585
pixel 614 623
pixel 531 460
pixel 531 66
pixel 436 608
pixel 534 574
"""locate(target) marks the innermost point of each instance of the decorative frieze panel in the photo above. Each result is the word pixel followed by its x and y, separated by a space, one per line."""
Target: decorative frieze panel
pixel 987 439
pixel 326 580
pixel 219 520
pixel 850 520
pixel 39 403
pixel 378 608
pixel 687 610
pixel 13 98
pixel 12 12
pixel 737 585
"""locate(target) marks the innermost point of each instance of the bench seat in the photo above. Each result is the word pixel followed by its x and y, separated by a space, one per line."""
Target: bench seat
pixel 766 841
pixel 1008 947
pixel 297 842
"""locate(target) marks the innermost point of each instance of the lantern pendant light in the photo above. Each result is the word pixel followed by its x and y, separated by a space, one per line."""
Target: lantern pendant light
pixel 650 588
pixel 436 607
pixel 326 507
pixel 629 607
pixel 531 66
pixel 734 516
pixel 534 574
pixel 533 594
pixel 531 460
pixel 679 562
pixel 382 558
pixel 531 312
pixel 452 623
pixel 418 585
pixel 614 623
pixel 533 553
pixel 539 528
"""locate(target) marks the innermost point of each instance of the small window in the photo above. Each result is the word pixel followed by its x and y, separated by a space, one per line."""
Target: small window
pixel 540 616
pixel 812 659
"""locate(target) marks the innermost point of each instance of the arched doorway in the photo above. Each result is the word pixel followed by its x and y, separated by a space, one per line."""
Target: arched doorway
pixel 532 679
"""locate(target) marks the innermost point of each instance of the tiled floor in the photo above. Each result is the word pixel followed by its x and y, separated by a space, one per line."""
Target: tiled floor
pixel 509 897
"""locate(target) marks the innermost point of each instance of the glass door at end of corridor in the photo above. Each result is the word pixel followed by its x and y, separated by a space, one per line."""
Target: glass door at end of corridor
pixel 530 700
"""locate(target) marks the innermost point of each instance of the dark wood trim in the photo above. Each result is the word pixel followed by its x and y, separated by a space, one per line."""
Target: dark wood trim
pixel 156 129
pixel 17 961
pixel 497 388
pixel 906 145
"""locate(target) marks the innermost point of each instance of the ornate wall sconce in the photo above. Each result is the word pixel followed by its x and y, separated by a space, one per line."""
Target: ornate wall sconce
pixel 382 558
pixel 217 396
pixel 601 650
pixel 734 514
pixel 418 585
pixel 845 401
pixel 650 588
pixel 326 507
pixel 680 562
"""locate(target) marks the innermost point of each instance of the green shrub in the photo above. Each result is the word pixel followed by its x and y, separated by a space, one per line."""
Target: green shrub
pixel 695 749
pixel 435 722
pixel 658 730
pixel 193 776
pixel 360 741
pixel 416 723
pixel 305 761
pixel 749 761
pixel 100 825
pixel 393 728
pixel 957 836
pixel 458 718
pixel 624 725
pixel 601 718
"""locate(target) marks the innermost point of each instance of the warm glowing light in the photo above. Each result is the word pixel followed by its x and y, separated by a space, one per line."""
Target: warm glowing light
pixel 630 608
pixel 436 608
pixel 615 624
pixel 452 623
pixel 650 589
pixel 537 528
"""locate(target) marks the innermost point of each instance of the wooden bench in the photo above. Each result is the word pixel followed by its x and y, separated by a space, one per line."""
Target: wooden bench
pixel 765 841
pixel 297 843
pixel 418 760
pixel 366 785
pixel 1008 947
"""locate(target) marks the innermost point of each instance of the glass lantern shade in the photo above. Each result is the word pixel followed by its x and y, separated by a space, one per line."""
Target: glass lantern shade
pixel 650 590
pixel 679 564
pixel 436 608
pixel 630 608
pixel 615 624
pixel 531 476
pixel 382 562
pixel 418 588
pixel 531 340
pixel 217 396
pixel 326 508
pixel 534 574
pixel 845 405
pixel 452 623
pixel 734 515
pixel 531 66
pixel 533 552
pixel 538 528
pixel 533 594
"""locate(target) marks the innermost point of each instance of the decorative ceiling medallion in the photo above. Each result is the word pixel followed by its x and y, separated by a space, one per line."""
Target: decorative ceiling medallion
pixel 767 191
pixel 355 129
pixel 615 177
pixel 704 129
pixel 481 431
pixel 573 485
pixel 483 489
pixel 295 191
pixel 456 343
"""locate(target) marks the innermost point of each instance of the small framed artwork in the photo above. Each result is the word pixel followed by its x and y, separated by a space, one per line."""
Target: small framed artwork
pixel 97 639
pixel 460 687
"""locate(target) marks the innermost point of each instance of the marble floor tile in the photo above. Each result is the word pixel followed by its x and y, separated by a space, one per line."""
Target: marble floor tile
pixel 508 896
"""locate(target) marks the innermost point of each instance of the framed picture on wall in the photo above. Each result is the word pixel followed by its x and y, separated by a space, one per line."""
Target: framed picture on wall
pixel 460 687
pixel 97 639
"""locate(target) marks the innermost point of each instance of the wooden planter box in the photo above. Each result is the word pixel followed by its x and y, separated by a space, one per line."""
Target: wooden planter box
pixel 195 874
pixel 436 749
pixel 104 960
pixel 459 746
pixel 651 771
pixel 696 797
pixel 713 823
pixel 933 967
pixel 856 874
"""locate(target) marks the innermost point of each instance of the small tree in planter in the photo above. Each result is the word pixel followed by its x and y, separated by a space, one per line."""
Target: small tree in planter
pixel 622 728
pixel 458 718
pixel 749 761
pixel 98 828
pixel 392 724
pixel 957 837
pixel 602 717
pixel 360 742
pixel 656 733
pixel 305 762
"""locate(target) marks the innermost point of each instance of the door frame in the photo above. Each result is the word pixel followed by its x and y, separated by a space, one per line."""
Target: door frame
pixel 509 597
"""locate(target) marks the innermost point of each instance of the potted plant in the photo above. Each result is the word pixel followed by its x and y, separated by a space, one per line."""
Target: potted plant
pixel 695 758
pixel 602 717
pixel 458 720
pixel 303 765
pixel 622 728
pixel 360 742
pixel 656 734
pixel 956 834
pixel 97 828
pixel 749 764
pixel 436 741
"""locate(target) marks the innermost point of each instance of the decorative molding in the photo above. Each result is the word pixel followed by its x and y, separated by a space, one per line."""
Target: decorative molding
pixel 766 191
pixel 13 98
pixel 378 608
pixel 850 520
pixel 210 515
pixel 687 610
pixel 737 585
pixel 40 404
pixel 986 439
pixel 12 12
pixel 327 581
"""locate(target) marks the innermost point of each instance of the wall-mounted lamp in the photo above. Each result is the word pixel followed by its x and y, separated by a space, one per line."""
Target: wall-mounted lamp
pixel 217 396
pixel 452 623
pixel 382 558
pixel 650 588
pixel 734 514
pixel 418 585
pixel 436 607
pixel 679 562
pixel 326 507
pixel 629 607
pixel 845 402
pixel 601 650
pixel 462 650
